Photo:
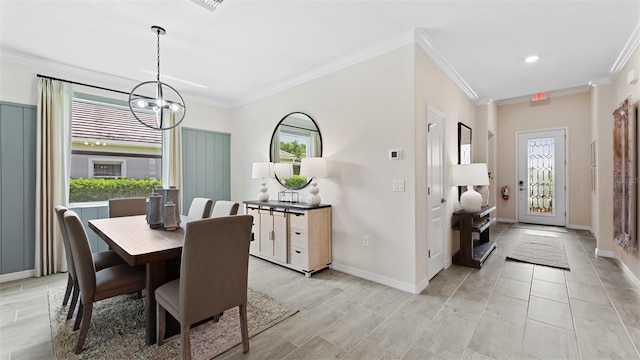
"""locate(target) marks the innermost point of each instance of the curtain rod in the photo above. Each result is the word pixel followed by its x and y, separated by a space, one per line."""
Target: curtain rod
pixel 79 83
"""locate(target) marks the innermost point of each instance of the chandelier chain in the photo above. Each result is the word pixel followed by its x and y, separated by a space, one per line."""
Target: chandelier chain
pixel 158 36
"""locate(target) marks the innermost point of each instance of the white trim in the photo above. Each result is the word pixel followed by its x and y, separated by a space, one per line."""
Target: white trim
pixel 48 65
pixel 429 47
pixel 554 93
pixel 606 254
pixel 626 53
pixel 413 289
pixel 503 220
pixel 580 227
pixel 402 39
pixel 17 275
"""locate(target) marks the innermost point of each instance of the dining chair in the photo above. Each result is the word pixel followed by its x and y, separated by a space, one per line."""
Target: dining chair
pixel 207 288
pixel 101 260
pixel 200 208
pixel 127 206
pixel 225 208
pixel 96 285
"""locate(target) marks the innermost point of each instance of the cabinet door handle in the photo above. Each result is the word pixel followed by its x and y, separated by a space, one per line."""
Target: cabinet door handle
pixel 297 233
pixel 272 235
pixel 298 251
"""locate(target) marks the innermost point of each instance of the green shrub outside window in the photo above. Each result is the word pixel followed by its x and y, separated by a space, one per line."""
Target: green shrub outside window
pixel 100 189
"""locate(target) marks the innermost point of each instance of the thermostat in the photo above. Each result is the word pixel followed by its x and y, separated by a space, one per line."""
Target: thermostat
pixel 395 154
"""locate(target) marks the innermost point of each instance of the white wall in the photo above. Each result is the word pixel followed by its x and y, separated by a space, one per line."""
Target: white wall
pixel 362 111
pixel 572 112
pixel 19 84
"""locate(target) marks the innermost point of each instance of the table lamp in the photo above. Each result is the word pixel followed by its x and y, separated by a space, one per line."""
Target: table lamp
pixel 313 167
pixel 261 170
pixel 469 175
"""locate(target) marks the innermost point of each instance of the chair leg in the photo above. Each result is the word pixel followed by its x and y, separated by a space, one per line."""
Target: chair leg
pixel 74 301
pixel 161 323
pixel 244 327
pixel 67 292
pixel 86 321
pixel 185 338
pixel 76 325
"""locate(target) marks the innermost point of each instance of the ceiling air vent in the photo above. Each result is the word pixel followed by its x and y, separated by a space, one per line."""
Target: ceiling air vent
pixel 209 4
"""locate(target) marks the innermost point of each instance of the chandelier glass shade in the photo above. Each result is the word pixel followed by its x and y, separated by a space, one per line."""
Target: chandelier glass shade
pixel 158 98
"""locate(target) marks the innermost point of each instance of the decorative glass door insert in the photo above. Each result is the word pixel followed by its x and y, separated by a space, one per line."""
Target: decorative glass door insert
pixel 540 157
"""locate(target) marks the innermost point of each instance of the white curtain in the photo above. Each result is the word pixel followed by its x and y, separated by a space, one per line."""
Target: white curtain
pixel 314 140
pixel 172 159
pixel 275 146
pixel 52 174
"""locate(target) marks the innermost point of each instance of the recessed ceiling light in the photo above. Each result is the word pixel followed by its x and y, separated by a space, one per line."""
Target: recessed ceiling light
pixel 531 58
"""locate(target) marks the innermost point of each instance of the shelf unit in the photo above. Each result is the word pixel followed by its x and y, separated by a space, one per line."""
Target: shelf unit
pixel 472 252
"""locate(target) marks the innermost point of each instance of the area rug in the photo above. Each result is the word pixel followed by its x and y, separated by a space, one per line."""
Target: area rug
pixel 540 250
pixel 117 329
pixel 540 227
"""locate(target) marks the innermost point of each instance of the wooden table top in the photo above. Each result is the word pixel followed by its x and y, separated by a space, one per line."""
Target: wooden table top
pixel 133 239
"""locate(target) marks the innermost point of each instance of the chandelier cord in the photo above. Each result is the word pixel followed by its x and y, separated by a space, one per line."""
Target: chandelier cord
pixel 158 36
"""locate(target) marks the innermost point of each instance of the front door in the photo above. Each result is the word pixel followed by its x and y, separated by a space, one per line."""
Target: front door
pixel 541 177
pixel 435 191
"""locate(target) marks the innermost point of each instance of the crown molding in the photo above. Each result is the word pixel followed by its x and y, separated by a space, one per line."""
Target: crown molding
pixel 550 95
pixel 390 44
pixel 625 54
pixel 429 47
pixel 74 71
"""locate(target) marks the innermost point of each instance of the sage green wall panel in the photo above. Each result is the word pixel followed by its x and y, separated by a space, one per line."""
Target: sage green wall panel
pixel 17 187
pixel 29 147
pixel 206 165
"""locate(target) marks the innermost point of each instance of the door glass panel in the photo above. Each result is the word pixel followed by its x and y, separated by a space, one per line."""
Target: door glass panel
pixel 540 155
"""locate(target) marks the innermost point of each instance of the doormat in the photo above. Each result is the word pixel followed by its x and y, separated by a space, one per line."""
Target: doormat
pixel 540 227
pixel 540 250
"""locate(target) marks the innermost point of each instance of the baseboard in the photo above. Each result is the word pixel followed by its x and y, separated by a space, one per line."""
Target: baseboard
pixel 17 275
pixel 448 263
pixel 413 289
pixel 580 227
pixel 506 220
pixel 607 254
pixel 612 255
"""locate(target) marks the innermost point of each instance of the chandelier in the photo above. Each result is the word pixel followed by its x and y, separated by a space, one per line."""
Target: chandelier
pixel 158 98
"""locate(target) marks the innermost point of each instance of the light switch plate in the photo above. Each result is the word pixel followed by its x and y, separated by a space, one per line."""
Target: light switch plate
pixel 398 185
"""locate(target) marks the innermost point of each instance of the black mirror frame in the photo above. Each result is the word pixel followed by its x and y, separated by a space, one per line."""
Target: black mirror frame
pixel 271 146
pixel 464 127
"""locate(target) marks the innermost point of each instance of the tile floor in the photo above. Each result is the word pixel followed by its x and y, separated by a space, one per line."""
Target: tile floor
pixel 506 310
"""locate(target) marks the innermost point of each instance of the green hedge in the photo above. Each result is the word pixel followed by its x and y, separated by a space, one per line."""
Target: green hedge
pixel 296 182
pixel 85 190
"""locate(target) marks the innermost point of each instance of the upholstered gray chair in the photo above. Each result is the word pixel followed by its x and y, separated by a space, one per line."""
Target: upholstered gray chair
pixel 127 207
pixel 205 287
pixel 100 285
pixel 101 260
pixel 200 208
pixel 225 208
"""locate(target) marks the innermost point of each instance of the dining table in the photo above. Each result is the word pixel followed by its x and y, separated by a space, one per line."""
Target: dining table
pixel 139 245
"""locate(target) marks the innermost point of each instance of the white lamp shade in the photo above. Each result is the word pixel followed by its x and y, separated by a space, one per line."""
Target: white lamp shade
pixel 260 170
pixel 471 174
pixel 283 170
pixel 313 167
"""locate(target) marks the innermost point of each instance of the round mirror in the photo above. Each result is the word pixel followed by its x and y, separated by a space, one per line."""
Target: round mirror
pixel 295 137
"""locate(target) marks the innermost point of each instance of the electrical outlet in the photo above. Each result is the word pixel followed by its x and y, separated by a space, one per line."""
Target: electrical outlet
pixel 365 240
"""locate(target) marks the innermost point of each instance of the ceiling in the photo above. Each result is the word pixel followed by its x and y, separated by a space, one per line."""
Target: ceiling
pixel 246 49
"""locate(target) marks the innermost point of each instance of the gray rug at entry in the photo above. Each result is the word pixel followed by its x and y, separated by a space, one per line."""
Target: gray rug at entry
pixel 540 250
pixel 118 326
pixel 540 227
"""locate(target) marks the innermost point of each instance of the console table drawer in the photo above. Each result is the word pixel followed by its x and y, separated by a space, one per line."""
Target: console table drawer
pixel 298 238
pixel 298 221
pixel 299 257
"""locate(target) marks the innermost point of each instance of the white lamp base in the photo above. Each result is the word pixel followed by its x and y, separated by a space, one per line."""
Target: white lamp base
pixel 471 200
pixel 314 199
pixel 263 195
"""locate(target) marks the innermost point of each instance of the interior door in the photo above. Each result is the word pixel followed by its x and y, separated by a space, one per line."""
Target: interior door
pixel 541 177
pixel 435 191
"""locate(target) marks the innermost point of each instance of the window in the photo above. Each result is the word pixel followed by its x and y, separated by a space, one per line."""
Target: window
pixel 112 154
pixel 107 168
